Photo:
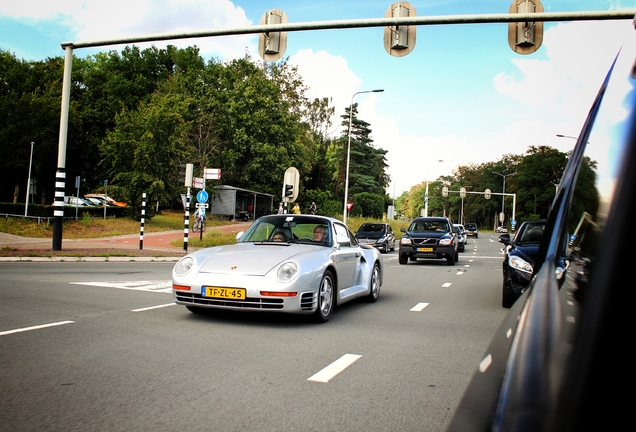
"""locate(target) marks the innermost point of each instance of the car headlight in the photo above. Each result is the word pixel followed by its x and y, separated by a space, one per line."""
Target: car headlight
pixel 183 266
pixel 445 242
pixel 287 272
pixel 520 264
pixel 381 240
pixel 405 241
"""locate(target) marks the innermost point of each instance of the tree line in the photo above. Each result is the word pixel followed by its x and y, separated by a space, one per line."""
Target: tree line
pixel 135 116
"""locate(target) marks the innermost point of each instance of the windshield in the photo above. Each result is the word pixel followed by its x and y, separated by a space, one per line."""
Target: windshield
pixel 373 228
pixel 289 229
pixel 421 226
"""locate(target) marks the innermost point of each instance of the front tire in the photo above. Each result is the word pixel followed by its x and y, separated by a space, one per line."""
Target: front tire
pixel 451 260
pixel 325 298
pixel 374 284
pixel 507 300
pixel 402 259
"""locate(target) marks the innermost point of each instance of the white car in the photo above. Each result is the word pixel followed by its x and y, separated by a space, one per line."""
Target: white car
pixel 281 264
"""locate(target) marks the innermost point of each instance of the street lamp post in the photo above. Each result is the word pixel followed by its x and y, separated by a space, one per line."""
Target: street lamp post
pixel 503 196
pixel 344 212
pixel 26 207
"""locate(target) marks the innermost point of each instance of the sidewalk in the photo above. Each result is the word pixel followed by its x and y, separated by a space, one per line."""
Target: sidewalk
pixel 156 246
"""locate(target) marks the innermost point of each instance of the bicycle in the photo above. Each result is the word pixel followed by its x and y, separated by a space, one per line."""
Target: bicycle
pixel 199 223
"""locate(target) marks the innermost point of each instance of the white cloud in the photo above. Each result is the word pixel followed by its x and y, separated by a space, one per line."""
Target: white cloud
pixel 89 20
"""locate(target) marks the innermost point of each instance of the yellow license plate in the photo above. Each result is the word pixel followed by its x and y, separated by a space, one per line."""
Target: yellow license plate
pixel 225 293
pixel 425 249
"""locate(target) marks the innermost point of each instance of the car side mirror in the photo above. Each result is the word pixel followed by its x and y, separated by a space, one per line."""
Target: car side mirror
pixel 403 230
pixel 505 239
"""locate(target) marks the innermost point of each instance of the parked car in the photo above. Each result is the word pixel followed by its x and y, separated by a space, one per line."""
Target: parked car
pixel 462 237
pixel 299 264
pixel 557 361
pixel 501 229
pixel 519 258
pixel 471 230
pixel 98 201
pixel 107 198
pixel 430 238
pixel 379 235
pixel 77 202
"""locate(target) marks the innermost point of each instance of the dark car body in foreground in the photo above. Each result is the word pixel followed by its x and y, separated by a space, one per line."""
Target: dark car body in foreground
pixel 429 237
pixel 557 362
pixel 519 258
pixel 376 234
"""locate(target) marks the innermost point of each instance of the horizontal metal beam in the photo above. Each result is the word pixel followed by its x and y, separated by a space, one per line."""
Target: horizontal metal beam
pixel 371 22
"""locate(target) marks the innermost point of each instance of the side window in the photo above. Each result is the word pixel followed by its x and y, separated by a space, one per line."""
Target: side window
pixel 342 233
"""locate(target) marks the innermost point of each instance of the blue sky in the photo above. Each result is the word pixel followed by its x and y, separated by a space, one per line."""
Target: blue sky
pixel 461 96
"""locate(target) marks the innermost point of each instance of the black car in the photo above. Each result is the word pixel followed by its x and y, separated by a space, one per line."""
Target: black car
pixel 557 361
pixel 471 230
pixel 519 258
pixel 379 235
pixel 429 237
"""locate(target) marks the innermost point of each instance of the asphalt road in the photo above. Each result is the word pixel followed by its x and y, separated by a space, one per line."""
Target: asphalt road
pixel 101 346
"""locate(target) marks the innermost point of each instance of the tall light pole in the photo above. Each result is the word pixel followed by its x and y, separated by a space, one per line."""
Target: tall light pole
pixel 426 193
pixel 503 196
pixel 344 212
pixel 26 207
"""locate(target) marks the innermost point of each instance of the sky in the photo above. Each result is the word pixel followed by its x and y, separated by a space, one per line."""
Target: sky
pixel 461 97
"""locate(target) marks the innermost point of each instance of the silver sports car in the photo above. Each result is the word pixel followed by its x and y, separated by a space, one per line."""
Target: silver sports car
pixel 287 263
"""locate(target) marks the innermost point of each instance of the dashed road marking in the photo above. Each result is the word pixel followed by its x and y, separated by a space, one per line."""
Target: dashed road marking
pixel 150 286
pixel 37 327
pixel 419 307
pixel 334 368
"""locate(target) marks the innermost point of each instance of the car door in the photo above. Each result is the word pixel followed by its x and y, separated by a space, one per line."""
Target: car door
pixel 347 256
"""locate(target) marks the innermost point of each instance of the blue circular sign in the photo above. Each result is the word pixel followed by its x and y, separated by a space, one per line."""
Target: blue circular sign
pixel 513 222
pixel 202 196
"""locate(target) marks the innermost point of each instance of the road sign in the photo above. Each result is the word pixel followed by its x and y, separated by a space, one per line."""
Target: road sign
pixel 349 205
pixel 198 183
pixel 513 222
pixel 212 173
pixel 201 205
pixel 202 196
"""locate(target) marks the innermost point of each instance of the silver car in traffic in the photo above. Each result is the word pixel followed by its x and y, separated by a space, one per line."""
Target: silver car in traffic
pixel 302 264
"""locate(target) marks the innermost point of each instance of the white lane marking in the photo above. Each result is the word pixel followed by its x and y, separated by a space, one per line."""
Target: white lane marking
pixel 508 333
pixel 471 260
pixel 35 327
pixel 446 285
pixel 419 307
pixel 151 286
pixel 467 265
pixel 485 363
pixel 152 307
pixel 459 272
pixel 334 368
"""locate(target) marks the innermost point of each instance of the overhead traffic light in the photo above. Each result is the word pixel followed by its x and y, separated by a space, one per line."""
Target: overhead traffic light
pixel 399 40
pixel 272 45
pixel 289 191
pixel 525 37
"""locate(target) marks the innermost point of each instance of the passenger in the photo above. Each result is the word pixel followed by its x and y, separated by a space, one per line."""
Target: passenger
pixel 279 237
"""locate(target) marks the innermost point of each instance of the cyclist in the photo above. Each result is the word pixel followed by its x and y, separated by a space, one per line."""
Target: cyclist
pixel 199 219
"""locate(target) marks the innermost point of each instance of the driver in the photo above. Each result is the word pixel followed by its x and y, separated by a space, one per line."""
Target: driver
pixel 320 233
pixel 279 237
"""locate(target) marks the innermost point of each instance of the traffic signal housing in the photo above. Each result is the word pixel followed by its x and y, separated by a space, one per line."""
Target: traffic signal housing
pixel 289 191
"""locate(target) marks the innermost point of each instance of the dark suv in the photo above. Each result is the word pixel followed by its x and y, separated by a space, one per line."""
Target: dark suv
pixel 429 237
pixel 471 230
